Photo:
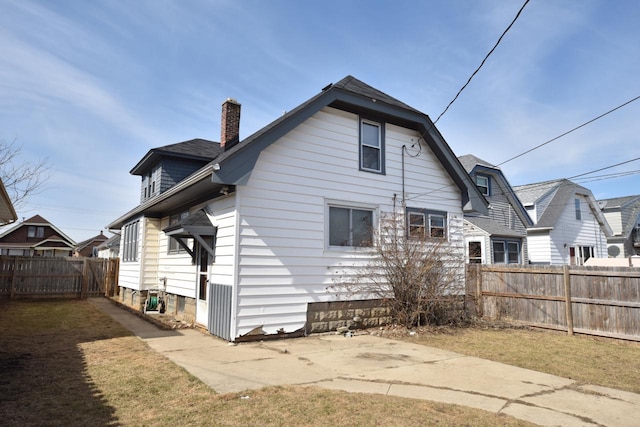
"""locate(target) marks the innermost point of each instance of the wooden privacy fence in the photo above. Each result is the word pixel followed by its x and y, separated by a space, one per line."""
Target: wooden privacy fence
pixel 48 277
pixel 603 301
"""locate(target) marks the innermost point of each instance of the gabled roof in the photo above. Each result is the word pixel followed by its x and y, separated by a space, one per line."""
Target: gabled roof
pixel 493 228
pixel 473 164
pixel 7 211
pixel 111 242
pixel 99 239
pixel 469 161
pixel 38 220
pixel 193 149
pixel 560 191
pixel 628 204
pixel 618 202
pixel 235 164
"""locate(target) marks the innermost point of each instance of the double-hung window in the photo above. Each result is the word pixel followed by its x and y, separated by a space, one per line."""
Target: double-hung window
pixel 483 184
pixel 350 226
pixel 578 209
pixel 130 239
pixel 371 146
pixel 506 252
pixel 424 223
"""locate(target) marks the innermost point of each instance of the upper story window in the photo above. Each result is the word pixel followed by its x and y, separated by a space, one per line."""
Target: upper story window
pixel 130 241
pixel 578 209
pixel 371 146
pixel 35 232
pixel 484 184
pixel 350 226
pixel 423 223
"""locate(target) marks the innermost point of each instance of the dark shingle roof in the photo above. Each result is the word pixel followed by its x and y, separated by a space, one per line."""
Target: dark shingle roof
pixel 194 149
pixel 493 228
pixel 469 161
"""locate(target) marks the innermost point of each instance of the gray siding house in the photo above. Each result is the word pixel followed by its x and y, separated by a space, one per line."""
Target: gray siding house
pixel 498 237
pixel 623 215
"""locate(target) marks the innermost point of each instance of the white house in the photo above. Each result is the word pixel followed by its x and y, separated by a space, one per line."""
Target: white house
pixel 569 227
pixel 249 241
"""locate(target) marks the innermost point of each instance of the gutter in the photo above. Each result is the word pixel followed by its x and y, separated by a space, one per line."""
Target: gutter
pixel 197 176
pixel 539 229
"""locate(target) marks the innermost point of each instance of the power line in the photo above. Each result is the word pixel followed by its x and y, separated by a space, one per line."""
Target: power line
pixel 568 132
pixel 605 168
pixel 483 61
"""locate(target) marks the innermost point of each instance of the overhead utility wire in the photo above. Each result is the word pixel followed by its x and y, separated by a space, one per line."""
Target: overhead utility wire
pixel 568 132
pixel 604 168
pixel 483 61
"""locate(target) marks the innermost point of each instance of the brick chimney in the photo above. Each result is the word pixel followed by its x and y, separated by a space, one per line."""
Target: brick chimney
pixel 230 125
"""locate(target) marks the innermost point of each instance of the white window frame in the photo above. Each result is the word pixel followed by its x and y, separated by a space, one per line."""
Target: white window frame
pixel 351 206
pixel 130 241
pixel 362 145
pixel 578 206
pixel 428 215
pixel 484 189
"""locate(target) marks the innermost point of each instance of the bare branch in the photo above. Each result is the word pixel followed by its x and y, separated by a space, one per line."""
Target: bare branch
pixel 22 179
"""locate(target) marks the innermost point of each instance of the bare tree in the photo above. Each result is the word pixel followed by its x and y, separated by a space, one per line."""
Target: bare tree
pixel 414 274
pixel 21 178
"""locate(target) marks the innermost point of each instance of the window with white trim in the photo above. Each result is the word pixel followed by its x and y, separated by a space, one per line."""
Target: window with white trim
pixel 578 255
pixel 475 253
pixel 130 241
pixel 484 184
pixel 350 226
pixel 371 146
pixel 578 209
pixel 506 252
pixel 425 223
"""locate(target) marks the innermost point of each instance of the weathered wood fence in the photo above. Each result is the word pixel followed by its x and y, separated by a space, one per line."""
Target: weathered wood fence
pixel 603 301
pixel 48 277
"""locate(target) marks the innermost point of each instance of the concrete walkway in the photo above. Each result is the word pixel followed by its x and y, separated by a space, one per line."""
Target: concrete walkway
pixel 369 364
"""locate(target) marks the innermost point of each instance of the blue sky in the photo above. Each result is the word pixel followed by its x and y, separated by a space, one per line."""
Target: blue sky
pixel 93 85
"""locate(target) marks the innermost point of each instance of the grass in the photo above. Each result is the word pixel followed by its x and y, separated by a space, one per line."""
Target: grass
pixel 65 364
pixel 588 360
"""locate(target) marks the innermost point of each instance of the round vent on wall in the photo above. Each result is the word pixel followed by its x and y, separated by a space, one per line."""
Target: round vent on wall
pixel 613 251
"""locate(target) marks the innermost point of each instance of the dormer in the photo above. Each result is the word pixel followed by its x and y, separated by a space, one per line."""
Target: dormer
pixel 164 167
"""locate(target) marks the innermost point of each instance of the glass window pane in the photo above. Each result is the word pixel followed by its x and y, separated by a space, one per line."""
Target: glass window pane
pixel 436 225
pixel 371 158
pixel 362 231
pixel 338 226
pixel 371 135
pixel 498 252
pixel 514 255
pixel 416 224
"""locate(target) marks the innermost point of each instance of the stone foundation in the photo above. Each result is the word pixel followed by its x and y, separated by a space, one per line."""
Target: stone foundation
pixel 329 316
pixel 179 307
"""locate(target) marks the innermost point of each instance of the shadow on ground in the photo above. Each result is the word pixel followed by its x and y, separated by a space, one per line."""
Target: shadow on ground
pixel 44 378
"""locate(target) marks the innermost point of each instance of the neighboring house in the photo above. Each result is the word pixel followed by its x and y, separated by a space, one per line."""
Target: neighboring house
pixel 251 242
pixel 89 247
pixel 7 211
pixel 623 216
pixel 569 227
pixel 110 248
pixel 500 237
pixel 36 237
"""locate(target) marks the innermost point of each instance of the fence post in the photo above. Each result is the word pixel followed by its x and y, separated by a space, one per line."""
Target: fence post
pixel 567 294
pixel 85 279
pixel 13 278
pixel 479 307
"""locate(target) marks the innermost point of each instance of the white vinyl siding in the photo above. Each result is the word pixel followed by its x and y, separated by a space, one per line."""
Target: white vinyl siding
pixel 129 272
pixel 283 260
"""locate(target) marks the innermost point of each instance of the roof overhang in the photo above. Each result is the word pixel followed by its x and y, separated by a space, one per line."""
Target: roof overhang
pixel 196 226
pixel 195 189
pixel 235 165
pixel 7 211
